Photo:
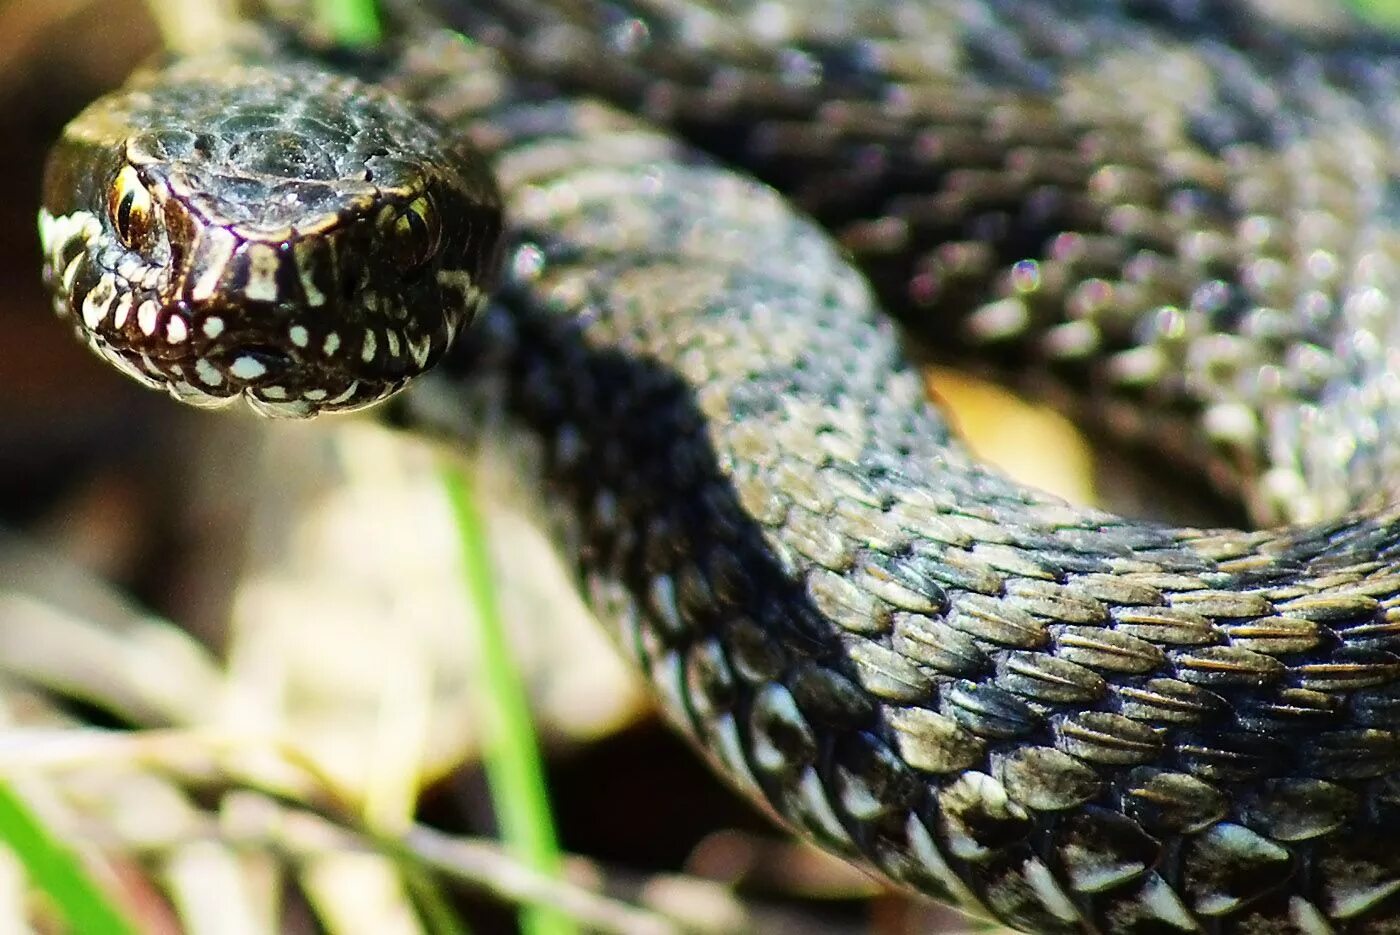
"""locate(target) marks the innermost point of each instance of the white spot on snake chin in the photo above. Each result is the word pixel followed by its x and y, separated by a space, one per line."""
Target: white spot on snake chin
pixel 70 273
pixel 247 368
pixel 146 317
pixel 391 340
pixel 273 392
pixel 213 326
pixel 94 312
pixel 331 345
pixel 123 311
pixel 176 330
pixel 299 335
pixel 350 391
pixel 208 373
pixel 99 301
pixel 421 350
pixel 368 348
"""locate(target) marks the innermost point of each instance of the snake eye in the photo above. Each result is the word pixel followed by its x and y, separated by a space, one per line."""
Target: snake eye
pixel 131 209
pixel 416 233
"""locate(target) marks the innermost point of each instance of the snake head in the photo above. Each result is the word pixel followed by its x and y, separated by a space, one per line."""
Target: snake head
pixel 282 234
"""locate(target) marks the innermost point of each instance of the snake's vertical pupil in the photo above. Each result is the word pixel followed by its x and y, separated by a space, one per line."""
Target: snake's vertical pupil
pixel 131 208
pixel 124 216
pixel 416 233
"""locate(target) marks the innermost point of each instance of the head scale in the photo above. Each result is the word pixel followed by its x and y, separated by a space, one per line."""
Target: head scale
pixel 288 236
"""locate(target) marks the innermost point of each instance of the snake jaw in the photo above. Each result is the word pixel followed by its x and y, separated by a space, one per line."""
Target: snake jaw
pixel 309 261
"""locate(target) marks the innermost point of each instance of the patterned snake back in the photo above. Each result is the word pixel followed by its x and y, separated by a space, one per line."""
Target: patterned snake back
pixel 1184 215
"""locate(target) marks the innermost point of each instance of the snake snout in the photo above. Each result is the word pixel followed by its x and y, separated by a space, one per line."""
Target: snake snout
pixel 312 256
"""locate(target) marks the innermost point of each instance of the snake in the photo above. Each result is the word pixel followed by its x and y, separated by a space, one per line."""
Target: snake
pixel 680 262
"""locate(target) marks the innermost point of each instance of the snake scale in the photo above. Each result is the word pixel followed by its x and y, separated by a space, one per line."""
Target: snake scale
pixel 1181 215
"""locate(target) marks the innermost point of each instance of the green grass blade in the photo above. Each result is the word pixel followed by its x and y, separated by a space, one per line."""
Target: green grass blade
pixel 56 870
pixel 353 22
pixel 1384 14
pixel 434 910
pixel 510 751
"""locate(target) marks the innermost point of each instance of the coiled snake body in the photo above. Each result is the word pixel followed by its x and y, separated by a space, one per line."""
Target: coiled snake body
pixel 1183 213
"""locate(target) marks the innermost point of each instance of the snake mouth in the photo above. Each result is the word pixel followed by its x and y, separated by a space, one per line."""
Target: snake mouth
pixel 274 381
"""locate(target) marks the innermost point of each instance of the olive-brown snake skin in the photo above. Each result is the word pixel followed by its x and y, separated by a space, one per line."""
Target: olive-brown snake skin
pixel 1184 216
